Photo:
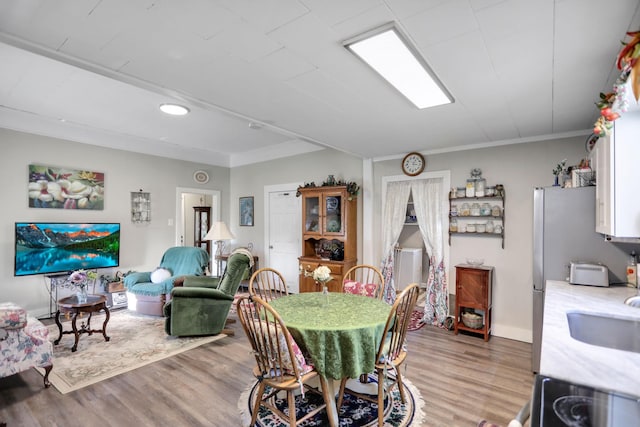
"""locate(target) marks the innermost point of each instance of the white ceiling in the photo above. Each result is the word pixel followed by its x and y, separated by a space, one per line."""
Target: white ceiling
pixel 95 71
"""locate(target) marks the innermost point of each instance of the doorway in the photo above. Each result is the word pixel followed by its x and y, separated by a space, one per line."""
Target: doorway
pixel 283 232
pixel 186 200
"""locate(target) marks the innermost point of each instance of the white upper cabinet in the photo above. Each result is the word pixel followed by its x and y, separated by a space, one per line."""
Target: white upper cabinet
pixel 617 165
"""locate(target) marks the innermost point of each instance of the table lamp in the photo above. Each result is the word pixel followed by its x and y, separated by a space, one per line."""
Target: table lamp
pixel 219 233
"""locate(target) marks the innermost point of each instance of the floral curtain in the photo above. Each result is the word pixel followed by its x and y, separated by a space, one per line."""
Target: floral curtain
pixel 395 210
pixel 427 201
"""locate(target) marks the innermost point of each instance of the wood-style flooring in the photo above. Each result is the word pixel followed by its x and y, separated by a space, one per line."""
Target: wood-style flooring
pixel 463 380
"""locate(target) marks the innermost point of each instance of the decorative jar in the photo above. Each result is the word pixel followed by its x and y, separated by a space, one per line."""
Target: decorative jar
pixel 454 210
pixel 496 210
pixel 464 210
pixel 485 209
pixel 475 209
pixel 471 188
pixel 453 225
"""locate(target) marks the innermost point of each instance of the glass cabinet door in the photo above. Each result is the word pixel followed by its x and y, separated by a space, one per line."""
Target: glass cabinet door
pixel 312 214
pixel 333 223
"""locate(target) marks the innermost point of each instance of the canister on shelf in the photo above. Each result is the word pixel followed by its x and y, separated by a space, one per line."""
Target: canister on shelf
pixel 471 188
pixel 496 210
pixel 475 209
pixel 464 210
pixel 454 210
pixel 481 227
pixel 480 185
pixel 453 193
pixel 485 209
pixel 490 191
pixel 461 191
pixel 489 226
pixel 471 227
pixel 453 225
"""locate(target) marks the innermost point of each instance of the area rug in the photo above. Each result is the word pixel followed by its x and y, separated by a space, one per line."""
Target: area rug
pixel 355 412
pixel 135 340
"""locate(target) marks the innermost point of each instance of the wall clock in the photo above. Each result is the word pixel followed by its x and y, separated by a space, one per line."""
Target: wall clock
pixel 201 177
pixel 413 164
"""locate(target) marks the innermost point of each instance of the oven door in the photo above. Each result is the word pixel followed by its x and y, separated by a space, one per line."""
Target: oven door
pixel 560 403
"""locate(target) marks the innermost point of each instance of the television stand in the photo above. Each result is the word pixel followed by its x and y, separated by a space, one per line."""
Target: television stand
pixel 54 281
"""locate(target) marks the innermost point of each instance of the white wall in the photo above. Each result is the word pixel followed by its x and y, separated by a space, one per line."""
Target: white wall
pixel 141 245
pixel 520 168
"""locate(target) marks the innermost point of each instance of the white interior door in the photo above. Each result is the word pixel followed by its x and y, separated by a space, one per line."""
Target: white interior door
pixel 284 234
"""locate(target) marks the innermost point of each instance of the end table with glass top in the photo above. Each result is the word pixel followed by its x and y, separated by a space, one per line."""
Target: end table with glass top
pixel 94 304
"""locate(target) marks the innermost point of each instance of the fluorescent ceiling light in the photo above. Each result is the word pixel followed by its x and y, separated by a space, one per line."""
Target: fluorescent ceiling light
pixel 390 54
pixel 174 109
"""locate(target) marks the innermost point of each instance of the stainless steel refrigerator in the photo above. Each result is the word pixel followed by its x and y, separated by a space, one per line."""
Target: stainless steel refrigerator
pixel 564 231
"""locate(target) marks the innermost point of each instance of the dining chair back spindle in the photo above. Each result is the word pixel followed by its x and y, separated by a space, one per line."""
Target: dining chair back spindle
pixel 392 351
pixel 364 280
pixel 280 364
pixel 267 283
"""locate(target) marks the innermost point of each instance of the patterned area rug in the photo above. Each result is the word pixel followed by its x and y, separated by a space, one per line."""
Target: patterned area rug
pixel 135 340
pixel 354 412
pixel 415 321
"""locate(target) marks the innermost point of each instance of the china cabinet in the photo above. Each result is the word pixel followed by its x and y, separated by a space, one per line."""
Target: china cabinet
pixel 328 234
pixel 482 216
pixel 473 294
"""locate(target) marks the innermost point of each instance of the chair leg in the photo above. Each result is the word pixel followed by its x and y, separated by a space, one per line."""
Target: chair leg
pixel 292 408
pixel 381 379
pixel 343 384
pixel 400 384
pixel 47 371
pixel 256 406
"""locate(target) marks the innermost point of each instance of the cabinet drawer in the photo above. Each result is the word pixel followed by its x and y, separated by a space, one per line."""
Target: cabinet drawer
pixel 336 269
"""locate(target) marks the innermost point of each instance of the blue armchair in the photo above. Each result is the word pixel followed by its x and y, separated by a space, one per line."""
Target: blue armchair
pixel 146 294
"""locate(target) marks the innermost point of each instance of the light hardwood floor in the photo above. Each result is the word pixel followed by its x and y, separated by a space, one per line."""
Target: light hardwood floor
pixel 462 380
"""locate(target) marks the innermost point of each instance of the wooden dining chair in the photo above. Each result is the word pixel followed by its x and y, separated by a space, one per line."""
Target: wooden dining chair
pixel 267 283
pixel 392 351
pixel 280 364
pixel 365 280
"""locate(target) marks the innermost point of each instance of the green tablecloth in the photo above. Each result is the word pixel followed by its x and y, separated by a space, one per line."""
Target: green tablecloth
pixel 340 332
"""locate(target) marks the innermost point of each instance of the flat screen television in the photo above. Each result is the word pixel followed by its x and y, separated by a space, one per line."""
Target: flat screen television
pixel 56 247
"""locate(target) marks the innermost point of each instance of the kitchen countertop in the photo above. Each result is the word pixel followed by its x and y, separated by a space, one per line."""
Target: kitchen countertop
pixel 566 358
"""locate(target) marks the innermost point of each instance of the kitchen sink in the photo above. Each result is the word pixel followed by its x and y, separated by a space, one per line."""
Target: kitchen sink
pixel 633 301
pixel 617 332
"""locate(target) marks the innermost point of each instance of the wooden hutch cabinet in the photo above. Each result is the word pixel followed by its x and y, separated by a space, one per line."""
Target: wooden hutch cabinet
pixel 328 234
pixel 473 293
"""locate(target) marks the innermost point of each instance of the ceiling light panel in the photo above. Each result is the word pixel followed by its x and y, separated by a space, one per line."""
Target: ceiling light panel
pixel 397 61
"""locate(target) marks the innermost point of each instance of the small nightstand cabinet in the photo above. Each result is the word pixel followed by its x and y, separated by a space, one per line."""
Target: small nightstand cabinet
pixel 473 291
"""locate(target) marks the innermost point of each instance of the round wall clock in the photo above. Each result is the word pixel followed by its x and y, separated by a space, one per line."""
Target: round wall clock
pixel 413 164
pixel 201 177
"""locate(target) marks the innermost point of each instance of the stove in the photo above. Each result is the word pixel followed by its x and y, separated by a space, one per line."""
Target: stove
pixel 560 403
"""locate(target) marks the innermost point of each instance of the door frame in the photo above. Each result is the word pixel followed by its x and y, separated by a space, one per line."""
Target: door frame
pixel 215 205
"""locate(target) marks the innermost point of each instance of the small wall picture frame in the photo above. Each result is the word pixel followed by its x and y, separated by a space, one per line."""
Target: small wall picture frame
pixel 246 211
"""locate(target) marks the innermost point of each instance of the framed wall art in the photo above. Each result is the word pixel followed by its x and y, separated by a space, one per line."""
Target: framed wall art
pixel 63 188
pixel 246 211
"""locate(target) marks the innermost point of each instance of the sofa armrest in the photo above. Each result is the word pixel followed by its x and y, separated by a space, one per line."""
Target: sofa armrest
pixel 136 277
pixel 201 281
pixel 197 292
pixel 12 316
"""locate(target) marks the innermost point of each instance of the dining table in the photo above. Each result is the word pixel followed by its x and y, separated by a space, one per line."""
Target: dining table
pixel 340 332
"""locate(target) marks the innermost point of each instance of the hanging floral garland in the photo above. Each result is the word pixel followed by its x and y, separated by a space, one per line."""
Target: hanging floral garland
pixel 614 103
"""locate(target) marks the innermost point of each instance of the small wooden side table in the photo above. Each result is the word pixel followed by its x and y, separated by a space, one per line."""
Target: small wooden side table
pixel 95 303
pixel 473 291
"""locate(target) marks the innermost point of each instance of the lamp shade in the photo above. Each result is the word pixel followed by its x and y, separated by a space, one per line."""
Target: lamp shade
pixel 219 231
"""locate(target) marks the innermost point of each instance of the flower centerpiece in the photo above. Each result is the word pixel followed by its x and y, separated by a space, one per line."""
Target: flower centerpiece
pixel 80 280
pixel 321 275
pixel 560 169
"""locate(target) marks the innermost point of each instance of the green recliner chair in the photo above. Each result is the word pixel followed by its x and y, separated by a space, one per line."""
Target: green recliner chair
pixel 201 305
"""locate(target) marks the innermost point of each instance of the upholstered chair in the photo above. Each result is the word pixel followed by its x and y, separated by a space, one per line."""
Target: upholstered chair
pixel 24 342
pixel 148 291
pixel 201 305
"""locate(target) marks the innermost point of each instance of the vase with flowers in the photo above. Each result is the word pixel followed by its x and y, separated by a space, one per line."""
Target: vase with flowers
pixel 321 275
pixel 80 280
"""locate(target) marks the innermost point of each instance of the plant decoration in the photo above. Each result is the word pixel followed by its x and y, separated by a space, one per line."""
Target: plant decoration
pixel 561 168
pixel 613 104
pixel 322 274
pixel 352 188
